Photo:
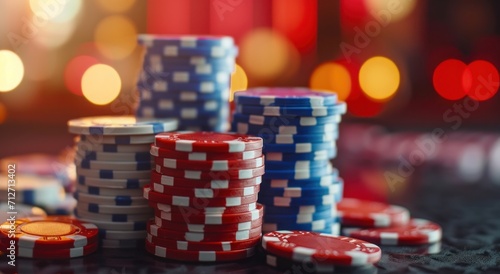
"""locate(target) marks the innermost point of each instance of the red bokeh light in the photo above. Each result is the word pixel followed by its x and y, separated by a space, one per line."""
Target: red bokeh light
pixel 484 80
pixel 449 80
pixel 74 71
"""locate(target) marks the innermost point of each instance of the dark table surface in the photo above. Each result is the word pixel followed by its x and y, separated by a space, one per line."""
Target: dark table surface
pixel 469 215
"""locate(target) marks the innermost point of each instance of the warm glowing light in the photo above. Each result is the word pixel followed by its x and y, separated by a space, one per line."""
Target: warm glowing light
pixel 484 80
pixel 116 5
pixel 3 113
pixel 56 11
pixel 239 81
pixel 449 80
pixel 397 10
pixel 101 84
pixel 334 77
pixel 264 54
pixel 379 78
pixel 54 35
pixel 74 71
pixel 11 70
pixel 115 37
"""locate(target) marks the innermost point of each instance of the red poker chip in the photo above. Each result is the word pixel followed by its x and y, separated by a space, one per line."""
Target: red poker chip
pixel 53 232
pixel 416 232
pixel 212 218
pixel 203 246
pixel 197 202
pixel 207 210
pixel 305 246
pixel 239 235
pixel 362 213
pixel 204 156
pixel 212 175
pixel 217 183
pixel 60 253
pixel 185 227
pixel 209 165
pixel 207 142
pixel 199 256
pixel 206 192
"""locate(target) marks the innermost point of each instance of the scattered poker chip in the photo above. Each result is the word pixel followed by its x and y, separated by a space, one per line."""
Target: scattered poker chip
pixel 361 213
pixel 318 225
pixel 120 125
pixel 34 190
pixel 300 218
pixel 285 97
pixel 60 253
pixel 117 226
pixel 212 218
pixel 112 217
pixel 298 138
pixel 110 209
pixel 236 174
pixel 339 108
pixel 113 183
pixel 246 128
pixel 205 192
pixel 303 246
pixel 53 232
pixel 213 165
pixel 94 190
pixel 285 120
pixel 205 156
pixel 312 182
pixel 113 174
pixel 193 202
pixel 222 183
pixel 114 156
pixel 169 225
pixel 161 232
pixel 207 142
pixel 295 164
pixel 118 139
pixel 115 166
pixel 208 210
pixel 416 232
pixel 110 200
pixel 297 174
pixel 86 147
pixel 199 256
pixel 126 243
pixel 121 235
pixel 203 246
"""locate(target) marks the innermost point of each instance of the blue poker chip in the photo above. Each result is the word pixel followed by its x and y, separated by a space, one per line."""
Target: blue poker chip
pixel 207 51
pixel 183 76
pixel 286 165
pixel 313 156
pixel 119 139
pixel 147 96
pixel 337 109
pixel 298 147
pixel 297 174
pixel 114 165
pixel 180 113
pixel 285 120
pixel 173 104
pixel 246 128
pixel 285 97
pixel 299 218
pixel 296 210
pixel 113 183
pixel 161 85
pixel 318 225
pixel 203 69
pixel 186 41
pixel 305 191
pixel 298 138
pixel 312 182
pixel 287 201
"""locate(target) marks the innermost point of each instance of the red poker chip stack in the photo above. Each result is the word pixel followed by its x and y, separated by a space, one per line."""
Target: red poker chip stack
pixel 204 189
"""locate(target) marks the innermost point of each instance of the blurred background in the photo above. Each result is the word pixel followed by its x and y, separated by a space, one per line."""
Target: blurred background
pixel 408 69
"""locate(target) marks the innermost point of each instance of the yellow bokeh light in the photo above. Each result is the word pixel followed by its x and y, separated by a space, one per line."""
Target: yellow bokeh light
pixel 264 54
pixel 3 113
pixel 11 70
pixel 116 5
pixel 390 10
pixel 115 37
pixel 101 84
pixel 334 77
pixel 379 78
pixel 239 81
pixel 56 11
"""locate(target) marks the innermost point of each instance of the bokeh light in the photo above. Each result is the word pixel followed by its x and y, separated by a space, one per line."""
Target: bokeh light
pixel 239 81
pixel 116 5
pixel 11 70
pixel 449 80
pixel 484 80
pixel 264 54
pixel 3 113
pixel 115 37
pixel 54 35
pixel 74 71
pixel 379 78
pixel 334 77
pixel 56 11
pixel 396 9
pixel 101 84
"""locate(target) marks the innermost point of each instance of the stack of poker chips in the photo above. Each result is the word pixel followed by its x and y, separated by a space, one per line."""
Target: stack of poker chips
pixel 204 190
pixel 112 165
pixel 299 128
pixel 44 237
pixel 188 78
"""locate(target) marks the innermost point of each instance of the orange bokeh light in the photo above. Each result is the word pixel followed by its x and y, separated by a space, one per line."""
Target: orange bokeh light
pixel 74 72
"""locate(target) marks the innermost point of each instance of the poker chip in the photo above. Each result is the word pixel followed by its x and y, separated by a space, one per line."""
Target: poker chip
pixel 120 125
pixel 112 217
pixel 298 174
pixel 34 190
pixel 300 218
pixel 94 190
pixel 110 209
pixel 205 156
pixel 339 108
pixel 210 165
pixel 110 200
pixel 118 139
pixel 199 256
pixel 205 192
pixel 22 211
pixel 113 174
pixel 49 233
pixel 112 183
pixel 186 41
pixel 303 246
pixel 318 225
pixel 62 253
pixel 222 183
pixel 295 192
pixel 320 155
pixel 85 148
pixel 203 246
pixel 115 156
pixel 311 182
pixel 285 97
pixel 298 138
pixel 237 174
pixel 285 120
pixel 273 165
pixel 416 232
pixel 91 164
pixel 210 210
pixel 246 128
pixel 169 225
pixel 212 218
pixel 306 209
pixel 150 87
pixel 361 213
pixel 207 142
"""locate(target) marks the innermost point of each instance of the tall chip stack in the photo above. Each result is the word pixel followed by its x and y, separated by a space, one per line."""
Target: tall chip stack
pixel 112 165
pixel 204 191
pixel 188 78
pixel 299 127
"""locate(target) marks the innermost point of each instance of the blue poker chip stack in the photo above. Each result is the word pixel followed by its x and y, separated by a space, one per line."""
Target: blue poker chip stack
pixel 299 127
pixel 188 78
